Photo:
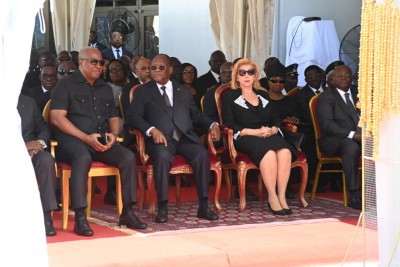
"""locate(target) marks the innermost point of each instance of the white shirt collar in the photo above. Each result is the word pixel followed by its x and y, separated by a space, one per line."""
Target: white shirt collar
pixel 216 75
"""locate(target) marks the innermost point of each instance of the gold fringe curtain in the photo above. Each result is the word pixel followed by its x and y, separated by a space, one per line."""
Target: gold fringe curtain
pixel 379 84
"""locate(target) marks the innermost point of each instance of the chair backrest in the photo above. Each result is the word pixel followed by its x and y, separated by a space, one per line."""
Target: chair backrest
pixel 132 91
pixel 46 111
pixel 294 91
pixel 202 103
pixel 219 98
pixel 121 108
pixel 314 118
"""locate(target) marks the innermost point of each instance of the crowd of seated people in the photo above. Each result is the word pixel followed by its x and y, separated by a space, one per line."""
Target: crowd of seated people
pixel 251 93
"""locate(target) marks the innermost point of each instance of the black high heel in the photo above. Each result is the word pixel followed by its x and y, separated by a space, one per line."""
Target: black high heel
pixel 288 211
pixel 277 212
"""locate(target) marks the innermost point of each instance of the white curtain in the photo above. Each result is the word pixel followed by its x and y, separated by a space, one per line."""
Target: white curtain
pixel 71 23
pixel 243 28
pixel 22 234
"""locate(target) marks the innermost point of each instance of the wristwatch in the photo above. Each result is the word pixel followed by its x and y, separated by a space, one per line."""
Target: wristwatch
pixel 43 144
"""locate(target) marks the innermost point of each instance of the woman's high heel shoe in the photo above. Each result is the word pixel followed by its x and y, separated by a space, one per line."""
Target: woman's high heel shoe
pixel 288 211
pixel 277 212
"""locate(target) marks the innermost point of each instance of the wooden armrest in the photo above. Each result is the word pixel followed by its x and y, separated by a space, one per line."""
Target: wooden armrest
pixel 144 157
pixel 53 144
pixel 228 133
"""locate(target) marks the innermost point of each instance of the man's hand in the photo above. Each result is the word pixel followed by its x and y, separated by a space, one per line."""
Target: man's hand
pixel 357 137
pixel 93 141
pixel 34 147
pixel 158 137
pixel 215 132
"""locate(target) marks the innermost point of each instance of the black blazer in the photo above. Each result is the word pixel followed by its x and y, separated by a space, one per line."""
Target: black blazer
pixel 149 109
pixel 204 82
pixel 108 53
pixel 334 119
pixel 303 98
pixel 38 95
pixel 33 125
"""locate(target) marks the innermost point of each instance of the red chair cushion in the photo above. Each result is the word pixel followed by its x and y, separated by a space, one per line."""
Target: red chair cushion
pixel 226 159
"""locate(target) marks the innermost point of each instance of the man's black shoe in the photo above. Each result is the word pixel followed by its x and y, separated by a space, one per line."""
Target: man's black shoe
pixel 162 215
pixel 81 225
pixel 289 192
pixel 207 214
pixel 109 198
pixel 250 196
pixel 130 220
pixel 97 190
pixel 48 224
pixel 355 203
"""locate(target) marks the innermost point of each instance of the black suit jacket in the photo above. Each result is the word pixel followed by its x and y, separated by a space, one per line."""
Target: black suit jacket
pixel 303 99
pixel 99 46
pixel 38 95
pixel 335 119
pixel 33 125
pixel 108 53
pixel 204 82
pixel 149 109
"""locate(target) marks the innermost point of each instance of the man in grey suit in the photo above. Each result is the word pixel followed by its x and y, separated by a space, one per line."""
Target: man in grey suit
pixel 338 117
pixel 165 113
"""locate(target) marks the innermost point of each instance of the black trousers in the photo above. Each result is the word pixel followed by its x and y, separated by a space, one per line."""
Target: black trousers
pixel 80 157
pixel 43 164
pixel 350 152
pixel 163 158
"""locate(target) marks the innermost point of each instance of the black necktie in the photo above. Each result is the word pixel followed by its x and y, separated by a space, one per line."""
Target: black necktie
pixel 351 108
pixel 176 134
pixel 118 55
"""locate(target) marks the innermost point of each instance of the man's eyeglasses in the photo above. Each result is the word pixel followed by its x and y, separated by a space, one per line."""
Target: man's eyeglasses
pixel 143 68
pixel 95 61
pixel 161 67
pixel 68 72
pixel 117 37
pixel 345 76
pixel 250 72
pixel 226 72
pixel 315 76
pixel 188 72
pixel 115 70
pixel 277 81
pixel 64 59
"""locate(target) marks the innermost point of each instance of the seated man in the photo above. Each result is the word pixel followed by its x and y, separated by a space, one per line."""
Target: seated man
pixel 84 113
pixel 338 119
pixel 164 112
pixel 36 135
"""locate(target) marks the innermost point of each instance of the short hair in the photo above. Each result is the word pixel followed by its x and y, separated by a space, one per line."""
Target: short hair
pixel 241 62
pixel 108 68
pixel 312 67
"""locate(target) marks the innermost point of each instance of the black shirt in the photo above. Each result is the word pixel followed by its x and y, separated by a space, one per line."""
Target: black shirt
pixel 88 106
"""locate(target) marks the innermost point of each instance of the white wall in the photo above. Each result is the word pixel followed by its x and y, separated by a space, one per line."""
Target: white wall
pixel 345 13
pixel 185 32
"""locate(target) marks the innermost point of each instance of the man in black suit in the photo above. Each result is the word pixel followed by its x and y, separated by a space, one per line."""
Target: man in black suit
pixel 41 94
pixel 313 77
pixel 36 135
pixel 93 41
pixel 338 117
pixel 164 112
pixel 210 78
pixel 117 49
pixel 87 126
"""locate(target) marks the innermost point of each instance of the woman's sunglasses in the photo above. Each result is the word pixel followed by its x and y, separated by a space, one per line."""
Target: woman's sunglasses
pixel 277 81
pixel 250 72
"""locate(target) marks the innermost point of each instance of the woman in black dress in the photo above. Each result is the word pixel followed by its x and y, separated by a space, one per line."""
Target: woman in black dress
pixel 247 110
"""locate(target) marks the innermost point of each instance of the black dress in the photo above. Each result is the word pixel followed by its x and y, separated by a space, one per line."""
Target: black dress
pixel 238 114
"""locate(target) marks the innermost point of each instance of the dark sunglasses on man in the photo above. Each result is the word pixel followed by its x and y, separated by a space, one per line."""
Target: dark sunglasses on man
pixel 64 59
pixel 66 72
pixel 95 61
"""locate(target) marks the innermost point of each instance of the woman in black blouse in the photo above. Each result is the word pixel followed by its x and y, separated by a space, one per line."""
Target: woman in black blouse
pixel 247 110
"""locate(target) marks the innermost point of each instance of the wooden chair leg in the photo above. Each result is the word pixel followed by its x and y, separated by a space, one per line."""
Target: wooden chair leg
pixel 228 183
pixel 89 197
pixel 260 187
pixel 65 199
pixel 152 193
pixel 316 178
pixel 142 191
pixel 242 187
pixel 345 200
pixel 178 190
pixel 303 185
pixel 218 176
pixel 118 194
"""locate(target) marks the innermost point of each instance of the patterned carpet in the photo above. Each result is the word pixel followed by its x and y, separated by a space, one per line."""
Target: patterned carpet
pixel 256 213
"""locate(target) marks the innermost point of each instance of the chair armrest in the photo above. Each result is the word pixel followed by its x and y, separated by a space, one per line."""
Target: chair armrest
pixel 53 144
pixel 144 157
pixel 228 133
